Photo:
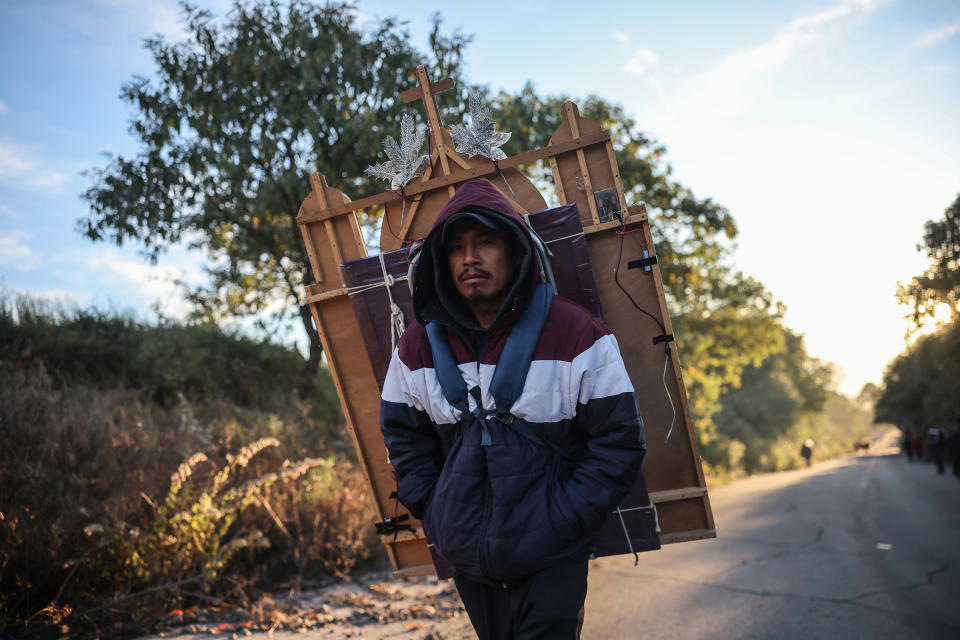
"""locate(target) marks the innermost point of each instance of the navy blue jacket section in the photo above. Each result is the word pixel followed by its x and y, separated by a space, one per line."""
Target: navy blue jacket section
pixel 513 507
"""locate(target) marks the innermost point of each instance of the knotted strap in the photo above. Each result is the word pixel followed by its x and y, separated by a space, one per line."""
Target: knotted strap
pixel 508 381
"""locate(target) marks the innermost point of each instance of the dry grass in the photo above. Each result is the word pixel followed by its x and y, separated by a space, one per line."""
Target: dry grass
pixel 107 495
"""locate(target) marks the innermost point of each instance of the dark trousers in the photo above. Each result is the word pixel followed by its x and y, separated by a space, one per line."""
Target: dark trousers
pixel 547 604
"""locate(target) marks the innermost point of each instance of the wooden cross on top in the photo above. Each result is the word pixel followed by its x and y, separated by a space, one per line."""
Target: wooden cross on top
pixel 425 90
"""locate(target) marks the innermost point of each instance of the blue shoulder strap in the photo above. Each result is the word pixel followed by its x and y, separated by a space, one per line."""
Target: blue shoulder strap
pixel 508 380
pixel 451 382
pixel 514 363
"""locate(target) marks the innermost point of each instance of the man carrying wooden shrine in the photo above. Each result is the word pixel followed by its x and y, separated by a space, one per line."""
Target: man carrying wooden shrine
pixel 510 420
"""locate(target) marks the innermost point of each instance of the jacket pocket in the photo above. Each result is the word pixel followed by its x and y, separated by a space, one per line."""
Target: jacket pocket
pixel 455 506
pixel 563 515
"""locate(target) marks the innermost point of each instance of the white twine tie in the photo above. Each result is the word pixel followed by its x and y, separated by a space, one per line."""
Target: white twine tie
pixel 397 321
pixel 670 397
pixel 575 235
pixel 623 523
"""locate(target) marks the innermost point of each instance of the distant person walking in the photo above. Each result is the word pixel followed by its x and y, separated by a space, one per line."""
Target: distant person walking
pixel 908 443
pixel 918 445
pixel 935 442
pixel 953 446
pixel 806 450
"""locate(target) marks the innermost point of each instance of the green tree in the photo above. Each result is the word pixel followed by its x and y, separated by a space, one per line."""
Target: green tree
pixel 940 283
pixel 921 387
pixel 771 399
pixel 229 130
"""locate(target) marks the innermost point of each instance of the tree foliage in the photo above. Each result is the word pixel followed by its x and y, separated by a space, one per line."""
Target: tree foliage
pixel 770 399
pixel 235 120
pixel 940 282
pixel 921 387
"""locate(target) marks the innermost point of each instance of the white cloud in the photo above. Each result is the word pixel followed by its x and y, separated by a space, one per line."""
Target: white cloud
pixel 153 282
pixel 10 214
pixel 12 161
pixel 639 62
pixel 19 168
pixel 791 165
pixel 938 34
pixel 162 18
pixel 723 90
pixel 43 179
pixel 3 107
pixel 15 253
pixel 742 65
pixel 820 18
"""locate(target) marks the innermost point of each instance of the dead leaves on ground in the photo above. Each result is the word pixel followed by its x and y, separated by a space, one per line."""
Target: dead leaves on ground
pixel 415 602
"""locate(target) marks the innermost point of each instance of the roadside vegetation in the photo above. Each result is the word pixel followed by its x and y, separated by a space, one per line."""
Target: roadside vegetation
pixel 921 387
pixel 147 468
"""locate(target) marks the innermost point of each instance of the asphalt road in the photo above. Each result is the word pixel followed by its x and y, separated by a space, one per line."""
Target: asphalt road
pixel 865 547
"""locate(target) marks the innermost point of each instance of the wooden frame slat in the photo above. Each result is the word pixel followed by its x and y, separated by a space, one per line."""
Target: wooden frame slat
pixel 671 495
pixel 416 93
pixel 481 169
pixel 571 111
pixel 436 127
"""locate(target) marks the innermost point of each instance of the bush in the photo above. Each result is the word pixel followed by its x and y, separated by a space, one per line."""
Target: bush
pixel 197 360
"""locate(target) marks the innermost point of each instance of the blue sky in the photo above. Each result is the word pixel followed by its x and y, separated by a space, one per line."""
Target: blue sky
pixel 829 130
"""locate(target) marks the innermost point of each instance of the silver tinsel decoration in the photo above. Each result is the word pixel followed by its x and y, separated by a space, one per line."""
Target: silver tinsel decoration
pixel 405 163
pixel 480 137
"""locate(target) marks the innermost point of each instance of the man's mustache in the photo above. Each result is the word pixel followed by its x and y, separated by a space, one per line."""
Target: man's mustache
pixel 469 273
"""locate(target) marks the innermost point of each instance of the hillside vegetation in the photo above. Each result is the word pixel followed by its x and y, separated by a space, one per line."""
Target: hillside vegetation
pixel 137 456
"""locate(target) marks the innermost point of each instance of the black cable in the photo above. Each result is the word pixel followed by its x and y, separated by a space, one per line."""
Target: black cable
pixel 616 278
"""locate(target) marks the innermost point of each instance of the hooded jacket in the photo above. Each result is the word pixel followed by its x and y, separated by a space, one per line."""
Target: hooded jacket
pixel 504 510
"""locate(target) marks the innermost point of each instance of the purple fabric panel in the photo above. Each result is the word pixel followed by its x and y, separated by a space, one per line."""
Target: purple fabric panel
pixel 372 307
pixel 562 232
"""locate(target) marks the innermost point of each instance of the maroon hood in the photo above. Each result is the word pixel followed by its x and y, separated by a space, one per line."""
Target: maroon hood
pixel 477 195
pixel 434 296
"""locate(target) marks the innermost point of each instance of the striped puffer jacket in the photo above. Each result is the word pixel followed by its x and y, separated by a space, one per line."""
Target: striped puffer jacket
pixel 508 509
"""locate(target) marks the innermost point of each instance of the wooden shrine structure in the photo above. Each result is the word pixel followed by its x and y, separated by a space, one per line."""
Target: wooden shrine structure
pixel 618 239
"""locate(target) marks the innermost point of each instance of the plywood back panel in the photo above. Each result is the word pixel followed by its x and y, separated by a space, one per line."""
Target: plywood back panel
pixel 673 465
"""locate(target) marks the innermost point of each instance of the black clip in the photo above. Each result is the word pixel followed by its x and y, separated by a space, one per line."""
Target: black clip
pixel 666 337
pixel 391 526
pixel 644 263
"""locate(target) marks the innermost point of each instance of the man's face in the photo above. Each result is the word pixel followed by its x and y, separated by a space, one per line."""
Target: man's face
pixel 482 264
